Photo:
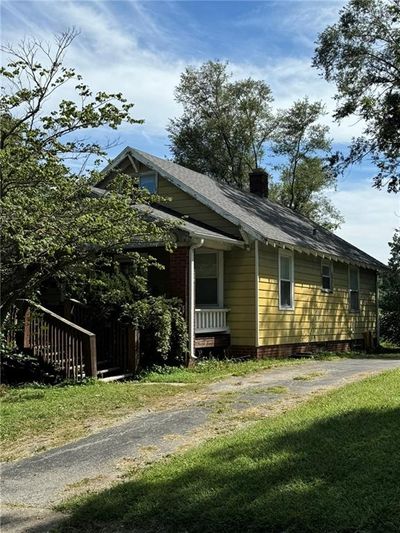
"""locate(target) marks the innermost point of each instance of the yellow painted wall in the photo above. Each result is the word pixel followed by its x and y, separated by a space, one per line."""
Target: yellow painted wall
pixel 187 205
pixel 239 284
pixel 318 316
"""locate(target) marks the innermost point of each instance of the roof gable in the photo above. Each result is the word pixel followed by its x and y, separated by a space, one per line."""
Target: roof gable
pixel 262 219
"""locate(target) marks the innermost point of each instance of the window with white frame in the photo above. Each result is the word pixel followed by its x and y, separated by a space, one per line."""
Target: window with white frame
pixel 286 280
pixel 208 271
pixel 327 276
pixel 354 289
pixel 148 180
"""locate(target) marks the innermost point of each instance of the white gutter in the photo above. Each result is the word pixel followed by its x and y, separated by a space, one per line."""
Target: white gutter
pixel 192 298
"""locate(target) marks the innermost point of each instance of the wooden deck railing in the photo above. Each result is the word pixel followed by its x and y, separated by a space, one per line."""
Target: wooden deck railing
pixel 68 347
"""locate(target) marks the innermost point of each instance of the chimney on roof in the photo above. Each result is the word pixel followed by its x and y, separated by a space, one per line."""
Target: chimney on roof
pixel 259 182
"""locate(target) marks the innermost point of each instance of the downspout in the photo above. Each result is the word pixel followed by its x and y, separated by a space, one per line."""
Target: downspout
pixel 192 298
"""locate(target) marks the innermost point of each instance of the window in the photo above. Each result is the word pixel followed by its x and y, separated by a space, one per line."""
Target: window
pixel 286 285
pixel 326 272
pixel 354 289
pixel 208 269
pixel 148 181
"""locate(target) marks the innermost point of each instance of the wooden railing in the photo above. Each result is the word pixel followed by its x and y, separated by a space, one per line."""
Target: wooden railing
pixel 65 345
pixel 211 320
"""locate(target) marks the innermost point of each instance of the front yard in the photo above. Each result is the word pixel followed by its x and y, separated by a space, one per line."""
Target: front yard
pixel 332 464
pixel 37 418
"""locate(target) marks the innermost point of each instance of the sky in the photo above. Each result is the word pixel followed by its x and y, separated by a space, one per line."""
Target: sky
pixel 140 48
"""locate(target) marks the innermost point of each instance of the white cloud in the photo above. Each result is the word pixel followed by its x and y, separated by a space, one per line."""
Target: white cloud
pixel 370 218
pixel 111 56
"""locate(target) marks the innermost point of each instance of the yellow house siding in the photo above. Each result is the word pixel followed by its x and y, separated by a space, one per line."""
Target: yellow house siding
pixel 187 205
pixel 239 285
pixel 317 316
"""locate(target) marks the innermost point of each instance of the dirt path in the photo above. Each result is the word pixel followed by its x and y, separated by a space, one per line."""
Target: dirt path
pixel 31 486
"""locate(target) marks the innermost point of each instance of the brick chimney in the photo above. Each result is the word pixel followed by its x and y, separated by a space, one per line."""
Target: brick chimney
pixel 259 182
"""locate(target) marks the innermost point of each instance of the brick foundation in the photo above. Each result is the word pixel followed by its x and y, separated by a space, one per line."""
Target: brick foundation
pixel 212 341
pixel 288 350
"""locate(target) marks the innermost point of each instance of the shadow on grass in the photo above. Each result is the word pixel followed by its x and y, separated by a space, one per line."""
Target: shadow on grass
pixel 340 474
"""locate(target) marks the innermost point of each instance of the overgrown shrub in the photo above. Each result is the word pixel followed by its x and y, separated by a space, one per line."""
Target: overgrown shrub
pixel 163 326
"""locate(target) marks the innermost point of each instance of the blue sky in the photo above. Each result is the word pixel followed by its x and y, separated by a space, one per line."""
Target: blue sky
pixel 140 48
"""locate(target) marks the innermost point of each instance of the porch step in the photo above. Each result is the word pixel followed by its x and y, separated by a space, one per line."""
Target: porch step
pixel 101 373
pixel 118 377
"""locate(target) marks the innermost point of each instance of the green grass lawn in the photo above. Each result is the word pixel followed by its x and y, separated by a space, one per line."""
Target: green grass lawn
pixel 211 370
pixel 330 465
pixel 37 418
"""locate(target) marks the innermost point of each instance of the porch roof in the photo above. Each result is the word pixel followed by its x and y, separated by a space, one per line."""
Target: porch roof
pixel 187 226
pixel 184 225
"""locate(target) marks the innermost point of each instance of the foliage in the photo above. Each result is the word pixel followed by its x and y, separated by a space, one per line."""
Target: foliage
pixel 303 144
pixel 52 224
pixel 224 124
pixel 161 320
pixel 390 294
pixel 360 54
pixel 120 292
pixel 227 125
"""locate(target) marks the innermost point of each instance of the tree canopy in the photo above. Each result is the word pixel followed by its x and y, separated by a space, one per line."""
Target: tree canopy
pixel 303 145
pixel 228 126
pixel 224 124
pixel 360 54
pixel 51 224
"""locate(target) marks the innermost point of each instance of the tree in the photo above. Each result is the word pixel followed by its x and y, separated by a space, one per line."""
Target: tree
pixel 52 224
pixel 361 55
pixel 303 145
pixel 224 124
pixel 390 294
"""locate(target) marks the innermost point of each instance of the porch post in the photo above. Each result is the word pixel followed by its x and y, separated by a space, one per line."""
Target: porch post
pixel 192 298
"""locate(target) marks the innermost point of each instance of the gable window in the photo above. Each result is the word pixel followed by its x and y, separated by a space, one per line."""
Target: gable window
pixel 327 278
pixel 286 280
pixel 208 268
pixel 354 289
pixel 148 181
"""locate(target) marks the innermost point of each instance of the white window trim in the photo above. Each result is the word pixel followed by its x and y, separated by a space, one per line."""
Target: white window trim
pixel 350 267
pixel 149 173
pixel 326 263
pixel 286 253
pixel 220 278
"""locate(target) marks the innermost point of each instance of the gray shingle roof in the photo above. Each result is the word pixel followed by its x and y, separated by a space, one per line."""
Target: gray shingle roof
pixel 260 217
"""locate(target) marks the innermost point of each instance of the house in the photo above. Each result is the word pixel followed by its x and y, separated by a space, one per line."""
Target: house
pixel 256 278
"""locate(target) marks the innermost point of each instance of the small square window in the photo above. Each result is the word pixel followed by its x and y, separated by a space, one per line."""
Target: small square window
pixel 149 182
